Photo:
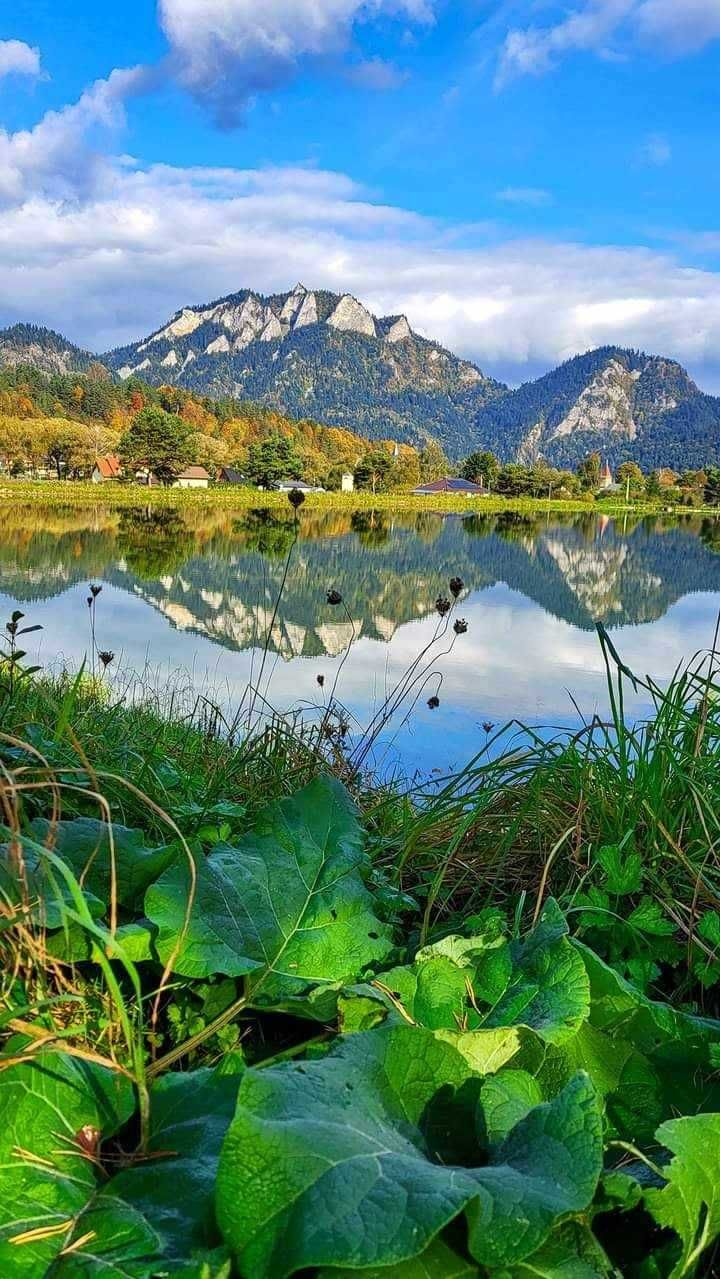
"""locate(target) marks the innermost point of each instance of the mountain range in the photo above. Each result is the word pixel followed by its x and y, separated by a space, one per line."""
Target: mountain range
pixel 321 355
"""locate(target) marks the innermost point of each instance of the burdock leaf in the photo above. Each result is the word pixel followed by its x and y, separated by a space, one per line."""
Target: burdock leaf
pixel 437 1262
pixel 157 1215
pixel 348 1161
pixel 84 844
pixel 45 1180
pixel 547 987
pixel 288 905
pixel 690 1202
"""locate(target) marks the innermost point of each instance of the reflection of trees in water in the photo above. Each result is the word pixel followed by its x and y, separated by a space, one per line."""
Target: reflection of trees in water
pixel 153 542
pixel 372 527
pixel 266 533
pixel 710 534
pixel 218 573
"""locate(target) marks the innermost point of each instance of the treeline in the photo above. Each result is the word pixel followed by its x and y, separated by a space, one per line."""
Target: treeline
pixel 511 479
pixel 64 422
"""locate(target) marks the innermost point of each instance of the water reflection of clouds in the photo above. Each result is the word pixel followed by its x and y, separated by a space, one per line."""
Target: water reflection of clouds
pixel 516 661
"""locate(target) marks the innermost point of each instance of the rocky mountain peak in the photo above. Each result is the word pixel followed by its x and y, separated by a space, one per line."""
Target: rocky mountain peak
pixel 350 316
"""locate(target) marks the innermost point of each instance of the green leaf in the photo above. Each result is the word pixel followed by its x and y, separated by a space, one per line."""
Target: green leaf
pixel 45 1180
pixel 84 845
pixel 348 1161
pixel 172 1191
pixel 571 1252
pixel 539 982
pixel 47 893
pixel 547 987
pixel 506 1098
pixel 623 871
pixel 648 917
pixel 122 1245
pixel 690 1202
pixel 288 905
pixel 437 1262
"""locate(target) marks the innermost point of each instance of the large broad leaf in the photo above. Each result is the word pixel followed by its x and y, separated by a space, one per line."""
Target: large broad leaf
pixel 438 1262
pixel 347 1161
pixel 690 1202
pixel 289 905
pixel 89 848
pixel 677 1045
pixel 157 1214
pixel 45 1179
pixel 539 982
pixel 571 1252
pixel 42 890
pixel 110 1240
pixel 547 986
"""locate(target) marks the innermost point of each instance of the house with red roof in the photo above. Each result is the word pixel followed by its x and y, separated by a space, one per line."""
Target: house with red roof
pixel 106 468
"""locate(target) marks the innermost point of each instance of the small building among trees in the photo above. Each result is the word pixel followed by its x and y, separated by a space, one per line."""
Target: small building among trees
pixel 106 468
pixel 193 477
pixel 450 485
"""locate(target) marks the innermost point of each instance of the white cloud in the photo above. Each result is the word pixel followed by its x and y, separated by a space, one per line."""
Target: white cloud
pixel 674 26
pixel 114 261
pixel 535 197
pixel 56 156
pixel 17 58
pixel 683 26
pixel 225 51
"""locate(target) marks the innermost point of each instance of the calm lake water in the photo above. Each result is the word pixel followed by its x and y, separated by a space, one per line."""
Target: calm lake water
pixel 189 597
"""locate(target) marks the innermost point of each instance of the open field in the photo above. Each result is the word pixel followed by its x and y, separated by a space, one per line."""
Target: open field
pixel 85 494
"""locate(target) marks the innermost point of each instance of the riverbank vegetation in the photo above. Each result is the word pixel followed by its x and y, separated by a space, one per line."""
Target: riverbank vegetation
pixel 263 1014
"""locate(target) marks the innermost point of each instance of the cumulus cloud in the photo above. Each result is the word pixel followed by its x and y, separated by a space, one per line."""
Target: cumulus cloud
pixel 17 58
pixel 57 156
pixel 601 26
pixel 225 51
pixel 113 263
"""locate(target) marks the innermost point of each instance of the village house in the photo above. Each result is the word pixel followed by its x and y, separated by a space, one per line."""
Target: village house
pixel 193 477
pixel 106 468
pixel 449 485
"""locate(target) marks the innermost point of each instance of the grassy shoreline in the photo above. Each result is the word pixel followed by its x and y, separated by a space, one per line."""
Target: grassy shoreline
pixel 230 958
pixel 82 494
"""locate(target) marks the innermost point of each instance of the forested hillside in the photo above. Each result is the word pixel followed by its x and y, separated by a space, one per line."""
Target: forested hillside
pixel 65 421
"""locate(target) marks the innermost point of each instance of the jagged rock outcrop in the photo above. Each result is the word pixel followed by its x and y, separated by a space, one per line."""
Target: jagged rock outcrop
pixel 311 353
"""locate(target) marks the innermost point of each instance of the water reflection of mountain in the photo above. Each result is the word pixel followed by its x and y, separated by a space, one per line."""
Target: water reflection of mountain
pixel 219 576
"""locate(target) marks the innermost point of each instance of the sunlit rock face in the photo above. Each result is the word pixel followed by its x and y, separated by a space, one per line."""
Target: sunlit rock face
pixel 317 354
pixel 605 407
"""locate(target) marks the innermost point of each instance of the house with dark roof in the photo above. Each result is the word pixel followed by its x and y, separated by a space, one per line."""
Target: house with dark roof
pixel 463 488
pixel 287 486
pixel 106 468
pixel 230 475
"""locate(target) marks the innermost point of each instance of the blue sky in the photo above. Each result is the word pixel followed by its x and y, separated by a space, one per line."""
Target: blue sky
pixel 525 180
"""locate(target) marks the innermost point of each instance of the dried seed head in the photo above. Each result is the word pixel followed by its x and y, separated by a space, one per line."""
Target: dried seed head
pixel 433 702
pixel 321 680
pixel 456 585
pixel 460 626
pixel 296 498
pixel 443 605
pixel 95 591
pixel 106 657
pixel 334 597
pixel 488 726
